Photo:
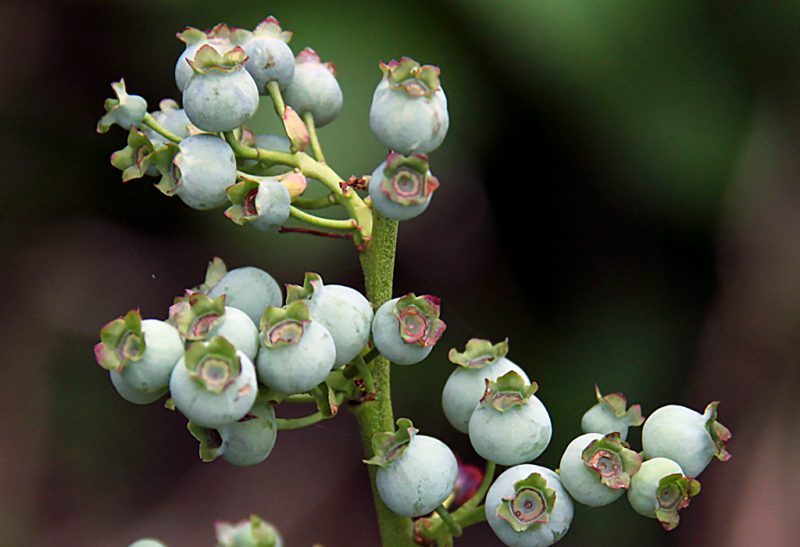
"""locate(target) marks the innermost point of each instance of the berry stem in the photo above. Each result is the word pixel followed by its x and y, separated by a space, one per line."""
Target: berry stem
pixel 315 203
pixel 151 122
pixel 305 421
pixel 277 98
pixel 447 518
pixel 332 235
pixel 308 118
pixel 330 223
pixel 366 374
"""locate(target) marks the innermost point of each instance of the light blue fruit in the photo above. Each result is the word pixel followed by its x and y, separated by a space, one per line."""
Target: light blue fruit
pixel 314 89
pixel 582 483
pixel 207 167
pixel 421 479
pixel 163 349
pixel 220 101
pixel 299 367
pixel 270 59
pixel 250 440
pixel 133 395
pixel 386 206
pixel 519 434
pixel 542 535
pixel 249 289
pixel 465 386
pixel 237 327
pixel 209 409
pixel 385 334
pixel 147 542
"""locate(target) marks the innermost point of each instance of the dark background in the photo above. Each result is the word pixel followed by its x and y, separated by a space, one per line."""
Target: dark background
pixel 619 197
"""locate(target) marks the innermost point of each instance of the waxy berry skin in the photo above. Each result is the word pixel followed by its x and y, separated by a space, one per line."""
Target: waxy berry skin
pixel 419 480
pixel 250 440
pixel 582 483
pixel 392 209
pixel 660 490
pixel 685 436
pixel 209 409
pixel 207 167
pixel 164 348
pixel 249 289
pixel 269 56
pixel 541 535
pixel 405 329
pixel 314 89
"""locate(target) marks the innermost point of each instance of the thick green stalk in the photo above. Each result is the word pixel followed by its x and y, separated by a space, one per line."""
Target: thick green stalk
pixel 377 262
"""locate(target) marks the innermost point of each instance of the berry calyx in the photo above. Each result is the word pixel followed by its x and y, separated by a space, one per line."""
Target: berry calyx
pixel 418 319
pixel 478 353
pixel 673 494
pixel 611 413
pixel 508 391
pixel 719 434
pixel 281 327
pixel 262 202
pixel 124 111
pixel 530 505
pixel 136 158
pixel 253 532
pixel 612 461
pixel 121 342
pixel 407 75
pixel 214 365
pixel 209 59
pixel 407 180
pixel 388 446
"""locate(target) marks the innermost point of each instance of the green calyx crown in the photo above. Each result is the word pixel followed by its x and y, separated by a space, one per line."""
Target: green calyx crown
pixel 271 28
pixel 618 404
pixel 531 504
pixel 208 59
pixel 242 195
pixel 116 107
pixel 121 342
pixel 407 75
pixel 719 434
pixel 136 157
pixel 220 34
pixel 388 446
pixel 164 161
pixel 196 314
pixel 508 391
pixel 673 494
pixel 214 364
pixel 407 180
pixel 210 441
pixel 418 318
pixel 284 326
pixel 254 532
pixel 612 460
pixel 312 284
pixel 478 353
pixel 215 271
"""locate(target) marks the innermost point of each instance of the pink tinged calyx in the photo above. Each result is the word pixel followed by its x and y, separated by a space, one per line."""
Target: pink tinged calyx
pixel 242 196
pixel 673 494
pixel 220 34
pixel 719 434
pixel 196 314
pixel 284 326
pixel 121 342
pixel 618 404
pixel 208 58
pixel 407 180
pixel 136 157
pixel 613 461
pixel 508 391
pixel 478 353
pixel 209 439
pixel 388 446
pixel 308 55
pixel 418 318
pixel 531 504
pixel 312 284
pixel 215 365
pixel 296 130
pixel 407 75
pixel 271 28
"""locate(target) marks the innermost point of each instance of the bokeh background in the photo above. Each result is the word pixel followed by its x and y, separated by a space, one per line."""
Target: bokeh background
pixel 620 197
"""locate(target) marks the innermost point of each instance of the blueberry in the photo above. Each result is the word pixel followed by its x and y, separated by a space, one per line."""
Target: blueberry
pixel 221 95
pixel 466 385
pixel 297 352
pixel 528 507
pixel 260 202
pixel 659 490
pixel 254 532
pixel 596 470
pixel 147 542
pixel 610 414
pixel 124 111
pixel 405 329
pixel 269 56
pixel 416 473
pixel 687 437
pixel 213 385
pixel 401 187
pixel 409 108
pixel 344 311
pixel 314 88
pixel 510 425
pixel 202 169
pixel 249 289
pixel 222 38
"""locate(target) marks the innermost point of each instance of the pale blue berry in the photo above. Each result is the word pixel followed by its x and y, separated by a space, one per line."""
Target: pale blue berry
pixel 249 289
pixel 269 56
pixel 204 167
pixel 405 329
pixel 660 490
pixel 314 88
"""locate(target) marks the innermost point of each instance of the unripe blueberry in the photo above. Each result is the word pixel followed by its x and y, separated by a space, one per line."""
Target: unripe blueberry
pixel 147 542
pixel 660 490
pixel 222 38
pixel 124 111
pixel 297 352
pixel 596 470
pixel 528 507
pixel 401 187
pixel 406 329
pixel 201 170
pixel 510 425
pixel 416 473
pixel 466 385
pixel 687 437
pixel 314 88
pixel 344 311
pixel 249 289
pixel 221 95
pixel 409 108
pixel 260 202
pixel 269 56
pixel 254 532
pixel 213 385
pixel 611 414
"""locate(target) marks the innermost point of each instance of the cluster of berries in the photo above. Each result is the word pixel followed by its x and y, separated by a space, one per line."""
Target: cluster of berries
pixel 204 154
pixel 253 532
pixel 223 372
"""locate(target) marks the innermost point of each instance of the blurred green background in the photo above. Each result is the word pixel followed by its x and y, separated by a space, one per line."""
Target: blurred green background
pixel 620 197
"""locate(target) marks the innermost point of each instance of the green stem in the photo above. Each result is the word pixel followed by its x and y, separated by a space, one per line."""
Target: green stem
pixel 151 122
pixel 277 98
pixel 447 518
pixel 308 118
pixel 366 374
pixel 315 203
pixel 377 262
pixel 488 477
pixel 299 423
pixel 330 223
